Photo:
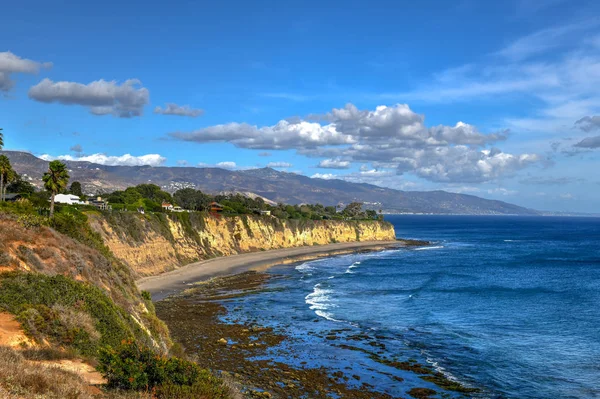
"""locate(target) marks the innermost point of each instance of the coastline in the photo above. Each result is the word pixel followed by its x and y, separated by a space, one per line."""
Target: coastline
pixel 172 282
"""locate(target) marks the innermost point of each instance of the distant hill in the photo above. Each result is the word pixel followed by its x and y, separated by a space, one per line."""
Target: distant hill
pixel 268 183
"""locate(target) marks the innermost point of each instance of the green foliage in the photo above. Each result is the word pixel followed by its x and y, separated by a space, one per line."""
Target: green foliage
pixel 354 210
pixel 7 174
pixel 76 189
pixel 32 221
pixel 134 367
pixel 56 178
pixel 39 303
pixel 20 186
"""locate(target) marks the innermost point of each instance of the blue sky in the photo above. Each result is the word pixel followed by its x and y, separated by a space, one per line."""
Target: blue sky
pixel 495 99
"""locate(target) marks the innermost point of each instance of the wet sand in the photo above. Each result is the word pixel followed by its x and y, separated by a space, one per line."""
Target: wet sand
pixel 180 279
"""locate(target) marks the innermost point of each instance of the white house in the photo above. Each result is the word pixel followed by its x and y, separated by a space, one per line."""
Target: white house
pixel 69 199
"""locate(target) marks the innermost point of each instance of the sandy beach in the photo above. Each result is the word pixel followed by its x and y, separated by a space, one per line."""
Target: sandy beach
pixel 177 280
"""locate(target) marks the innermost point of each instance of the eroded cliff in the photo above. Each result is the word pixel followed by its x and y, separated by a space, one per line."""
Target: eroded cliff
pixel 154 243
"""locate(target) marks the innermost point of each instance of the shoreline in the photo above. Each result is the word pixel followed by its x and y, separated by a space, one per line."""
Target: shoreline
pixel 174 281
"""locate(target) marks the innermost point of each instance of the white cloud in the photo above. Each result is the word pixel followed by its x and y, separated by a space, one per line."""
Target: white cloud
pixel 394 137
pixel 111 160
pixel 325 176
pixel 227 165
pixel 283 135
pixel 334 164
pixel 179 110
pixel 278 165
pixel 101 97
pixel 544 40
pixel 11 63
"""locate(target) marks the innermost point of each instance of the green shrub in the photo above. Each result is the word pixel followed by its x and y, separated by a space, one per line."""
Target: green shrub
pixel 134 367
pixel 32 221
pixel 69 313
pixel 146 295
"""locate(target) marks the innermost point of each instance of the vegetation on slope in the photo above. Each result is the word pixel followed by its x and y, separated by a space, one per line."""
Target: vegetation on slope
pixel 72 295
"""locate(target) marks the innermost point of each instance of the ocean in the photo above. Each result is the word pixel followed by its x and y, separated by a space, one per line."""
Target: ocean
pixel 509 306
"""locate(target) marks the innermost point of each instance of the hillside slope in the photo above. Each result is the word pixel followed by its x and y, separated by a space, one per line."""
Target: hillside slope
pixel 66 293
pixel 277 186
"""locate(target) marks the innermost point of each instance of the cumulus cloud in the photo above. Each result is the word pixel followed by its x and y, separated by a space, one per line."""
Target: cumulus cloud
pixel 179 110
pixel 394 137
pixel 588 123
pixel 279 165
pixel 11 63
pixel 111 160
pixel 101 97
pixel 283 135
pixel 589 143
pixel 334 164
pixel 227 165
pixel 325 176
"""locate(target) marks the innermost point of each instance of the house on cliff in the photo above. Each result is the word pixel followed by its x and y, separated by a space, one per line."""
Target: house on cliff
pixel 215 207
pixel 68 199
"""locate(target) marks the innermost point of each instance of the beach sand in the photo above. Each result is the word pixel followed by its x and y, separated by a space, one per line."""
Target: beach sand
pixel 169 283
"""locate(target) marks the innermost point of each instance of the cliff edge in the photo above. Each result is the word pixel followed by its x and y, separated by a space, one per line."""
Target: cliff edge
pixel 151 244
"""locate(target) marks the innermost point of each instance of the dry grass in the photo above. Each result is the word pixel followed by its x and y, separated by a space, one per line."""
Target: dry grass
pixel 20 378
pixel 72 318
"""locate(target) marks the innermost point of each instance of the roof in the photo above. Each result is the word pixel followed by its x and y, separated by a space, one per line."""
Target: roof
pixel 71 197
pixel 12 196
pixel 216 204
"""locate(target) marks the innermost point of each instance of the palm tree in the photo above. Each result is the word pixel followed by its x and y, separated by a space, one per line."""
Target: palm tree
pixel 1 139
pixel 5 170
pixel 55 180
pixel 11 176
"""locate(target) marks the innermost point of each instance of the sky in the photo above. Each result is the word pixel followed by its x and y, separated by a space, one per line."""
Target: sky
pixel 495 99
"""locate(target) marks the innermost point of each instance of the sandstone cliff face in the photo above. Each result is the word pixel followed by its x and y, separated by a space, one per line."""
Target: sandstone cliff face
pixel 152 244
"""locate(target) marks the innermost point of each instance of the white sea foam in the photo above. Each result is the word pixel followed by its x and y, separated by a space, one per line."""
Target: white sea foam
pixel 319 298
pixel 307 266
pixel 426 248
pixel 355 264
pixel 327 316
pixel 352 266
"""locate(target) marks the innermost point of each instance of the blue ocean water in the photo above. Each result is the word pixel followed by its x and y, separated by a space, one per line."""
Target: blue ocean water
pixel 510 305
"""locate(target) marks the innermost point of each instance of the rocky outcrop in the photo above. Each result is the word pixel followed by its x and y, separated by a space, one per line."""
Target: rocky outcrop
pixel 154 243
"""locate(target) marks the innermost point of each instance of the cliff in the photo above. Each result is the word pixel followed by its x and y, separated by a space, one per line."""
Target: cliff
pixel 154 243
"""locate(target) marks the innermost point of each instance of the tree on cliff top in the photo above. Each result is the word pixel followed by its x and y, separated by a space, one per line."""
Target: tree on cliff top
pixel 1 139
pixel 55 180
pixel 7 174
pixel 353 210
pixel 76 189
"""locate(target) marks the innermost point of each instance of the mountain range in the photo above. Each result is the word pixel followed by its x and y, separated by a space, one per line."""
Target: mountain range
pixel 269 183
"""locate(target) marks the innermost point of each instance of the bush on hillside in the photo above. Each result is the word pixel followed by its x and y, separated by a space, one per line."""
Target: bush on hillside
pixel 134 367
pixel 66 312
